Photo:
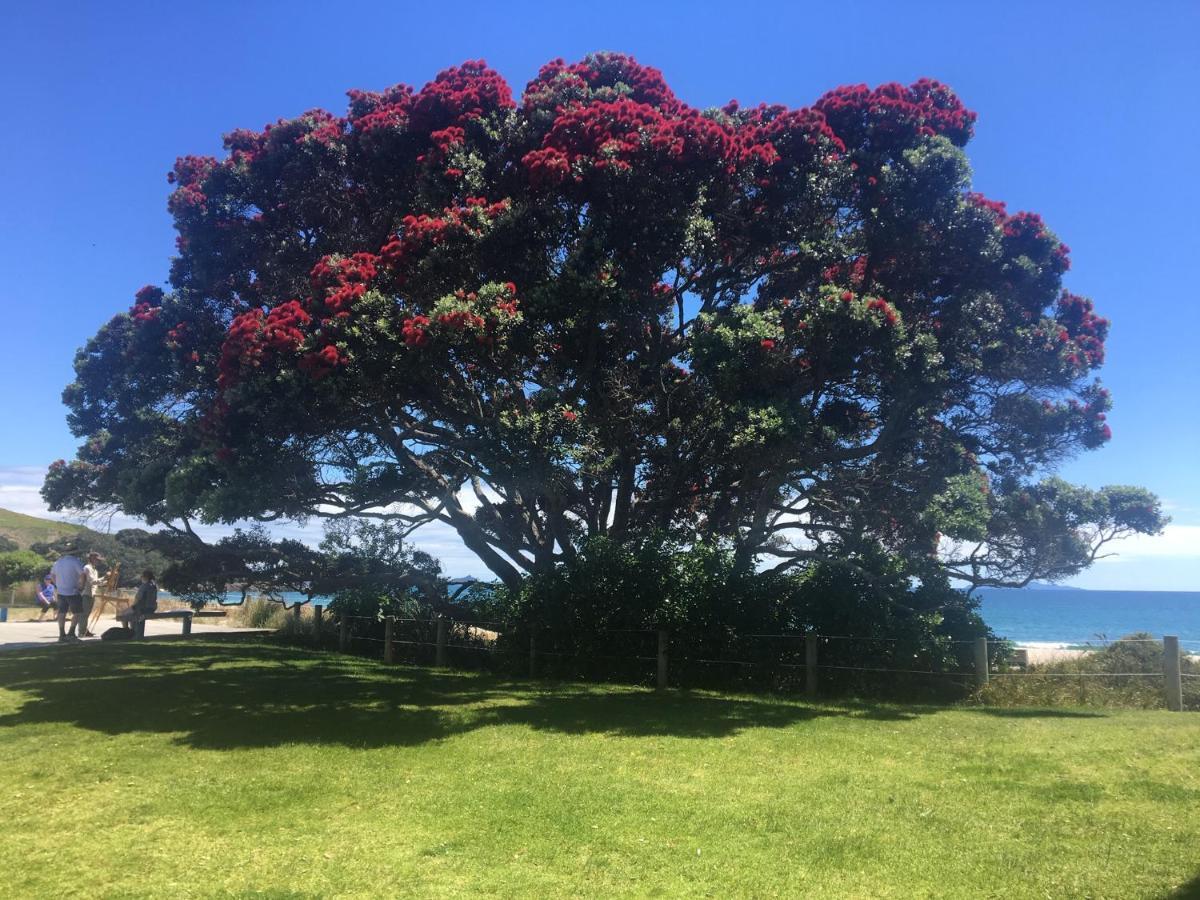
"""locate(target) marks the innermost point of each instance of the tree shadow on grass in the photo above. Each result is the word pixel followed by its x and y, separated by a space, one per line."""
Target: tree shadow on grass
pixel 226 695
pixel 1189 891
pixel 1004 712
pixel 229 693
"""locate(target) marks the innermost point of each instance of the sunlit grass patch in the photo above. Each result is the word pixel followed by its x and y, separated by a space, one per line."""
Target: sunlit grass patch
pixel 218 767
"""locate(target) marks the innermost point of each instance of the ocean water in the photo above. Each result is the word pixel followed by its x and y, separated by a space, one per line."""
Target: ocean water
pixel 1075 617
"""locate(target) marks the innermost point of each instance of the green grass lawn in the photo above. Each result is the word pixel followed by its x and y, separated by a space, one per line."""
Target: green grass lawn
pixel 26 530
pixel 229 767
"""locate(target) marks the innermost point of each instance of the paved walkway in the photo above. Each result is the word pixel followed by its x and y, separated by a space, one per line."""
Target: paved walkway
pixel 19 635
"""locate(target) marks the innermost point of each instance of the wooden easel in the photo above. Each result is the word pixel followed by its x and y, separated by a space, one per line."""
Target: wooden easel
pixel 108 593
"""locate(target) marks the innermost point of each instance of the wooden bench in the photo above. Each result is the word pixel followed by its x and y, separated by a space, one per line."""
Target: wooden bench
pixel 185 615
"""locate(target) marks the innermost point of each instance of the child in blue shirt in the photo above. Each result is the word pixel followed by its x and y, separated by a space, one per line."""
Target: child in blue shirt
pixel 47 598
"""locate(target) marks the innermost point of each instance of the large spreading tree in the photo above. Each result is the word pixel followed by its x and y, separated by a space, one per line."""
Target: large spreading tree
pixel 600 311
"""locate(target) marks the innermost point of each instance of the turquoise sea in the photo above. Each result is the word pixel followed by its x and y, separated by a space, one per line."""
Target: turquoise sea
pixel 1074 617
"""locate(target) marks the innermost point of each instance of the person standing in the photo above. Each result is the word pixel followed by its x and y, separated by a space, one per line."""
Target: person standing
pixel 91 579
pixel 67 573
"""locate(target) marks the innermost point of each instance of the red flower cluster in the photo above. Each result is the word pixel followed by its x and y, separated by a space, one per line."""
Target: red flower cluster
pixel 242 347
pixel 286 327
pixel 769 134
pixel 244 145
pixel 252 338
pixel 570 415
pixel 881 306
pixel 321 127
pixel 995 207
pixel 1024 224
pixel 423 232
pixel 190 173
pixel 852 272
pixel 461 319
pixel 147 304
pixel 891 116
pixel 314 126
pixel 190 170
pixel 619 134
pixel 380 111
pixel 444 142
pixel 1086 330
pixel 1089 416
pixel 460 94
pixel 767 344
pixel 321 362
pixel 599 74
pixel 1026 231
pixel 187 197
pixel 508 305
pixel 338 282
pixel 456 96
pixel 612 113
pixel 415 331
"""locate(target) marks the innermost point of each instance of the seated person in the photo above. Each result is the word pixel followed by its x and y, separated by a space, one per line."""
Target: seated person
pixel 47 597
pixel 144 603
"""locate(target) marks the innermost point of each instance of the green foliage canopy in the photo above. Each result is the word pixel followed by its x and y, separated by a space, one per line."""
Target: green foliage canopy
pixel 21 565
pixel 795 333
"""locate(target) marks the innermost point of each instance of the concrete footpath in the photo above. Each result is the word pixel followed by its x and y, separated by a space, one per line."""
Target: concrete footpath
pixel 21 635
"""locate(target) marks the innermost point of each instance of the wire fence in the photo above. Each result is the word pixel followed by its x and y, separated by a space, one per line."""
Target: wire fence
pixel 1122 671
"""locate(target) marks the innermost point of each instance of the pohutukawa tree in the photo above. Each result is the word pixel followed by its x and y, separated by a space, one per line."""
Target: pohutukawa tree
pixel 599 310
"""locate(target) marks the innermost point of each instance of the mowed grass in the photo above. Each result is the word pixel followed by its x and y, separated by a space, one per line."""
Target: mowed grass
pixel 236 767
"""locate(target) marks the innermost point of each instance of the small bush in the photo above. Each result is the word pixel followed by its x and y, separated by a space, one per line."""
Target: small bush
pixel 1126 673
pixel 257 612
pixel 300 629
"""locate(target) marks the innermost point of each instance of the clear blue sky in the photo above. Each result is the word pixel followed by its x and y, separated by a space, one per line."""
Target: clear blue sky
pixel 1087 114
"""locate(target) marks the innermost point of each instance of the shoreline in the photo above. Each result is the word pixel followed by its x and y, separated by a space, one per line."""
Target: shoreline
pixel 1041 652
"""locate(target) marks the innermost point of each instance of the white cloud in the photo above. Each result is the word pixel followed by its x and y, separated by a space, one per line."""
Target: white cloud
pixel 1181 542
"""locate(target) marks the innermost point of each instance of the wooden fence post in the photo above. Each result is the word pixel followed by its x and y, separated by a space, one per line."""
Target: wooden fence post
pixel 296 611
pixel 344 633
pixel 981 662
pixel 440 659
pixel 388 654
pixel 663 639
pixel 317 610
pixel 533 651
pixel 187 625
pixel 1171 673
pixel 810 664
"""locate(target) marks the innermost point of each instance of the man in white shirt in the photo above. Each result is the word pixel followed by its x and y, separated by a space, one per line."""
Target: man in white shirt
pixel 91 580
pixel 67 573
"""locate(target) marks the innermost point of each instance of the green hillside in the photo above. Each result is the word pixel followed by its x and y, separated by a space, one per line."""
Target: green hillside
pixel 27 530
